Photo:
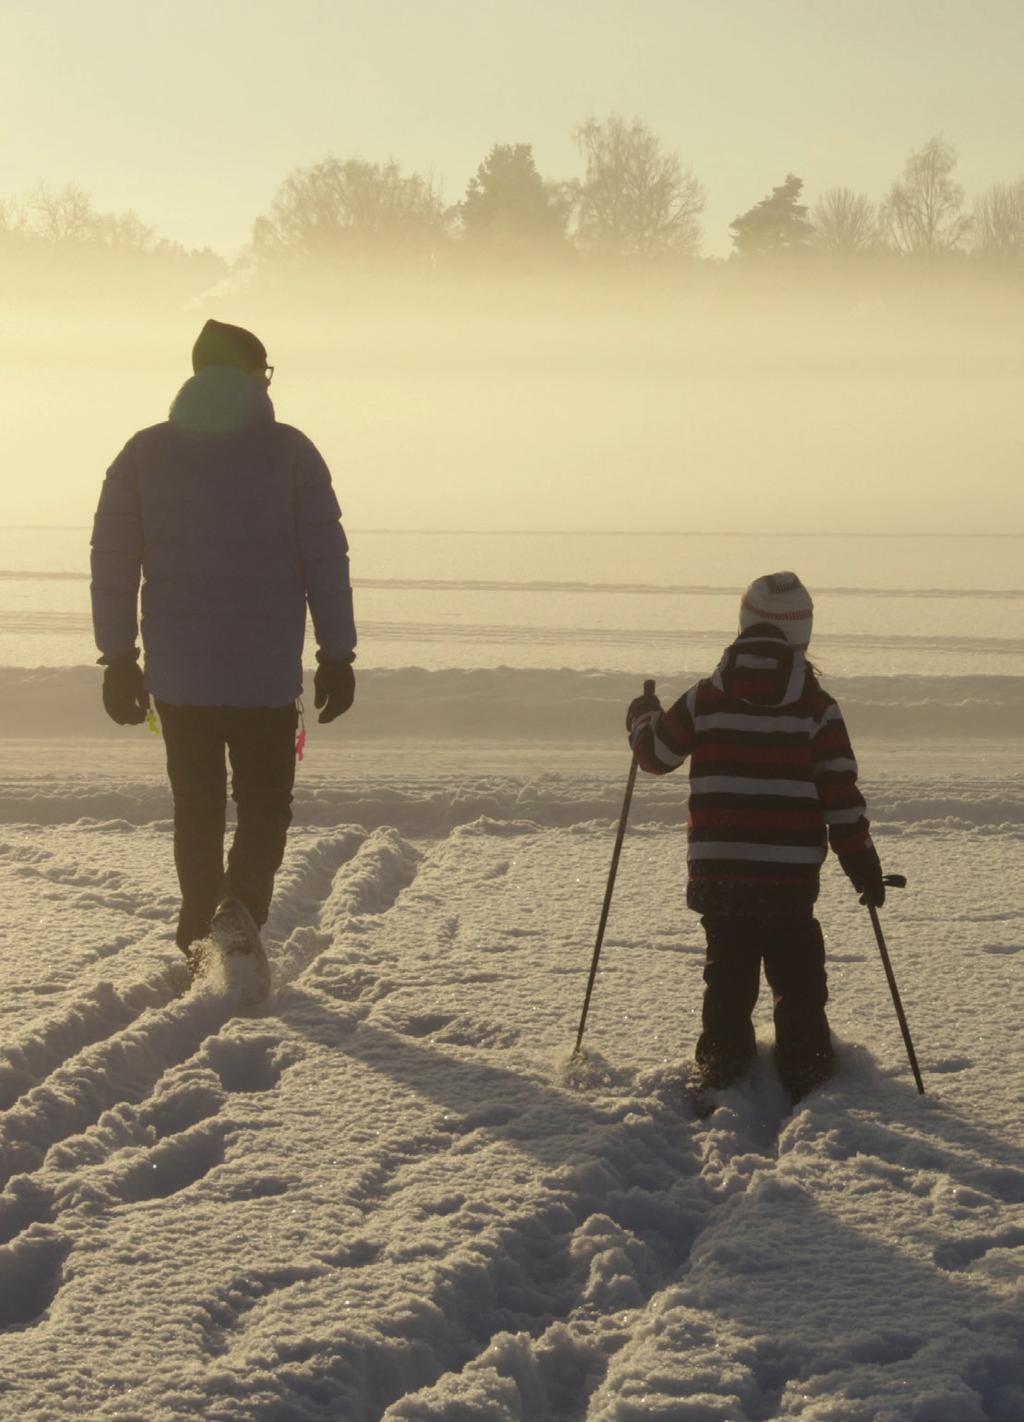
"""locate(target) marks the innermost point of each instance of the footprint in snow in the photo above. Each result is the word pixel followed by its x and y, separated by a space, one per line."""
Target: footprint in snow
pixel 172 1166
pixel 426 1024
pixel 456 1031
pixel 227 1309
pixel 441 1205
pixel 886 1346
pixel 958 1254
pixel 265 1187
pixel 490 1117
pixel 31 1275
pixel 246 1064
pixel 174 1113
pixel 25 1202
pixel 348 984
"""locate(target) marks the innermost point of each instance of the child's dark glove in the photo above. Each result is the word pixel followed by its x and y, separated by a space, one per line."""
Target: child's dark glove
pixel 639 706
pixel 865 873
pixel 334 687
pixel 125 698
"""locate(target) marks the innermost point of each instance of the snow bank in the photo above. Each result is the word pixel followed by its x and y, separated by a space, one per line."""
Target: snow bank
pixel 510 704
pixel 335 789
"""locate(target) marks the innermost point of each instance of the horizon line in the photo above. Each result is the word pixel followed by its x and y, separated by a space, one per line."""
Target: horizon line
pixel 598 532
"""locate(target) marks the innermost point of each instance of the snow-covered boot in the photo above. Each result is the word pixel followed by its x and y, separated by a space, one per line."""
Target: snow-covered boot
pixel 235 932
pixel 196 957
pixel 802 1075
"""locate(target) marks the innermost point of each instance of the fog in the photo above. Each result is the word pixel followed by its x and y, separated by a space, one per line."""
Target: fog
pixel 569 400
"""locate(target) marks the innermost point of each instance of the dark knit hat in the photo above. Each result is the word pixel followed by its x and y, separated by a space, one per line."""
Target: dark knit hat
pixel 221 344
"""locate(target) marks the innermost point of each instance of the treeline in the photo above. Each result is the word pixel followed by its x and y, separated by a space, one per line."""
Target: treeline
pixel 636 206
pixel 636 203
pixel 53 240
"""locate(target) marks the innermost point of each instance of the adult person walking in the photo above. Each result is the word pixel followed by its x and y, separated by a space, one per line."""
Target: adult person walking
pixel 230 520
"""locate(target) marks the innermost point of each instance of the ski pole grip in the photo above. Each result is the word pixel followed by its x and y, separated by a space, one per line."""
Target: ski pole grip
pixel 649 687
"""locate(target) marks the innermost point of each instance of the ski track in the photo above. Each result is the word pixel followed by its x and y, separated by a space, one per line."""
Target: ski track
pixel 104 1080
pixel 81 1063
pixel 588 1281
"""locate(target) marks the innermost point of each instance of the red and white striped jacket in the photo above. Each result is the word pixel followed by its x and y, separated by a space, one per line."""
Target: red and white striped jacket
pixel 773 779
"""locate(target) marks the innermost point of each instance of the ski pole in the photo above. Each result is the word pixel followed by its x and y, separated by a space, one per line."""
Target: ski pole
pixel 648 691
pixel 895 881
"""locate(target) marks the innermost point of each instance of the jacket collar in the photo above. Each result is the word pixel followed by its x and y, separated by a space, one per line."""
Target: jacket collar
pixel 221 399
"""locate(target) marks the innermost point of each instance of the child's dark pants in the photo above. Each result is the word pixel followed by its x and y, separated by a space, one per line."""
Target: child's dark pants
pixel 793 952
pixel 260 744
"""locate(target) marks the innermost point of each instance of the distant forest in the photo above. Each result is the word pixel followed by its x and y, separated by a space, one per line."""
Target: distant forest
pixel 635 207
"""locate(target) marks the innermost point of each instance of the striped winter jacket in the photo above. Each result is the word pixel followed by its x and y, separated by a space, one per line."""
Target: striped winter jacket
pixel 773 779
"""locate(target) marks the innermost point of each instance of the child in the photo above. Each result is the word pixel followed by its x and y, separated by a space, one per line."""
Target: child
pixel 773 781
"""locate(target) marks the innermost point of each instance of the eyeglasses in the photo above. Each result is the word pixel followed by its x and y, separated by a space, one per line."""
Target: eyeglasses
pixel 268 373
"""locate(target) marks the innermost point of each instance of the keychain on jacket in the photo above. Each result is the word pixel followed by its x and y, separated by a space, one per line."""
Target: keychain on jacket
pixel 300 739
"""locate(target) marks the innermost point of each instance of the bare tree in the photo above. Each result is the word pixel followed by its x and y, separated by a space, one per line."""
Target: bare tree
pixel 635 199
pixel 127 232
pixel 12 219
pixel 999 221
pixel 844 222
pixel 62 215
pixel 67 216
pixel 923 212
pixel 351 208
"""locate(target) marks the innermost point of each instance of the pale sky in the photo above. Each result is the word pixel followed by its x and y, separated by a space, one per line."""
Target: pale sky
pixel 191 113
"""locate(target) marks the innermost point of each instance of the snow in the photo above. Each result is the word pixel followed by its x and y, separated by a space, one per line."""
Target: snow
pixel 392 1196
pixel 509 704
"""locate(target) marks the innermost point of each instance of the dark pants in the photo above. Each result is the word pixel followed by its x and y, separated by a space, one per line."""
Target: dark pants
pixel 793 952
pixel 260 743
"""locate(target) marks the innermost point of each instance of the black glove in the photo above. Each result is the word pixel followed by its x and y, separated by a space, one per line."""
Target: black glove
pixel 334 687
pixel 639 706
pixel 865 873
pixel 125 698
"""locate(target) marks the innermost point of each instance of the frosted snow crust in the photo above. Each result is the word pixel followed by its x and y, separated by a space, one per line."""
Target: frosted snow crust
pixel 392 1196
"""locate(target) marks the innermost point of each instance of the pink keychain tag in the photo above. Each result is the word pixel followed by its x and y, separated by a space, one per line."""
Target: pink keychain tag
pixel 300 739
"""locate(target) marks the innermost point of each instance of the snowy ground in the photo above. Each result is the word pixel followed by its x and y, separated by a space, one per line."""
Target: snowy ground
pixel 388 1198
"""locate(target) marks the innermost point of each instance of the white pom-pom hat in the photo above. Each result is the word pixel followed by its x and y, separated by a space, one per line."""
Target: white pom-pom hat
pixel 782 601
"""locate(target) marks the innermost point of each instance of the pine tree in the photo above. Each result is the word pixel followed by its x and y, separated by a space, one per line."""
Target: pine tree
pixel 776 224
pixel 509 208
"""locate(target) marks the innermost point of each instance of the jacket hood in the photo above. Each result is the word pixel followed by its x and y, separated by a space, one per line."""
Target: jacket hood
pixel 221 399
pixel 762 669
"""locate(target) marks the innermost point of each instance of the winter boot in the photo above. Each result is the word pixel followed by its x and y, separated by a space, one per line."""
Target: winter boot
pixel 235 932
pixel 196 957
pixel 234 928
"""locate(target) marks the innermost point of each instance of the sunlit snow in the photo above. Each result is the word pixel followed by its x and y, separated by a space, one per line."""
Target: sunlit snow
pixel 391 1196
